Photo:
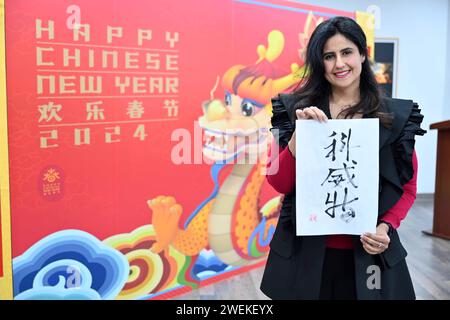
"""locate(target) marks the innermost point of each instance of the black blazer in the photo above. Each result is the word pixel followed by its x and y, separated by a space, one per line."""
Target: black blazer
pixel 294 264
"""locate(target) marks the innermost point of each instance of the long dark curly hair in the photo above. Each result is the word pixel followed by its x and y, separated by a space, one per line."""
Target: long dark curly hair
pixel 314 88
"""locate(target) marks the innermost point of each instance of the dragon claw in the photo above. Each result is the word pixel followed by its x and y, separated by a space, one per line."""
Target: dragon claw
pixel 166 213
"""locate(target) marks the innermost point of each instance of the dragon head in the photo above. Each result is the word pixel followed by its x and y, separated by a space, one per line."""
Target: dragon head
pixel 239 124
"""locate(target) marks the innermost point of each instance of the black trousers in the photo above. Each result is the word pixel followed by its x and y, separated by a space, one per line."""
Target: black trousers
pixel 338 275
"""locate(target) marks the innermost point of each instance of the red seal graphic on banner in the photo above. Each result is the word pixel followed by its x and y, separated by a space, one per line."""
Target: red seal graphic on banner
pixel 51 183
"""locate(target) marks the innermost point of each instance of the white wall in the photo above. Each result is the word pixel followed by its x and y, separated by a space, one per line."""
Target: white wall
pixel 446 113
pixel 424 63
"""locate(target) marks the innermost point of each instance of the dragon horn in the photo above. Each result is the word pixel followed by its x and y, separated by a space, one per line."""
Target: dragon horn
pixel 275 45
pixel 287 81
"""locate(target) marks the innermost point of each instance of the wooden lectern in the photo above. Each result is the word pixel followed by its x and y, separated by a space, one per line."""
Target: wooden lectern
pixel 441 218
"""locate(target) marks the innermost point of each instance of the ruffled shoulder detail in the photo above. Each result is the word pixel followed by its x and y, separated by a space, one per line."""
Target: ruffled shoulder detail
pixel 404 145
pixel 282 128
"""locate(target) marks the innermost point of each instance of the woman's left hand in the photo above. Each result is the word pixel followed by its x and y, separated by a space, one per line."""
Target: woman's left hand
pixel 378 242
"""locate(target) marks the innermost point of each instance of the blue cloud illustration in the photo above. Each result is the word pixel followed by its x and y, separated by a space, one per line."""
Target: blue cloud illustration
pixel 208 265
pixel 69 264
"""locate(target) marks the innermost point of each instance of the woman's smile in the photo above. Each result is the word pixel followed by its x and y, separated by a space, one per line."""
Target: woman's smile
pixel 342 74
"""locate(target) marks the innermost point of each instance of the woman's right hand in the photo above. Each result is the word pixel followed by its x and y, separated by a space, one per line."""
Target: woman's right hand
pixel 306 113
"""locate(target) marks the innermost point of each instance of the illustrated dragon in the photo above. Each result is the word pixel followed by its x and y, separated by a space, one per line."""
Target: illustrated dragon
pixel 231 222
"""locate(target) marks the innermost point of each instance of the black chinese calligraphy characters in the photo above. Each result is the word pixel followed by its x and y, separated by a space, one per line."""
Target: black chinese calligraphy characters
pixel 338 178
pixel 346 215
pixel 340 175
pixel 345 143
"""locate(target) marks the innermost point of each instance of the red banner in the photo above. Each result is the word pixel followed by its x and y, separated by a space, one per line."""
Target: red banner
pixel 120 118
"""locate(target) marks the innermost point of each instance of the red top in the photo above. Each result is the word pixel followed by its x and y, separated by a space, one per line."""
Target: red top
pixel 284 180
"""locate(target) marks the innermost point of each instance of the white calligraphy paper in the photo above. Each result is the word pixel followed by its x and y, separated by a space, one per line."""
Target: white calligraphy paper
pixel 337 176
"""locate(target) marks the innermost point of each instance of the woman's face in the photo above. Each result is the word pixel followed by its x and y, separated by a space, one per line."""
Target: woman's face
pixel 342 62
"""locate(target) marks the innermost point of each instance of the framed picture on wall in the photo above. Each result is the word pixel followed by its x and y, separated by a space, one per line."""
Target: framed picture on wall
pixel 385 65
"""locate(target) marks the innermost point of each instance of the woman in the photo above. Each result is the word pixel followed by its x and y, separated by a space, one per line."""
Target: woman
pixel 340 84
